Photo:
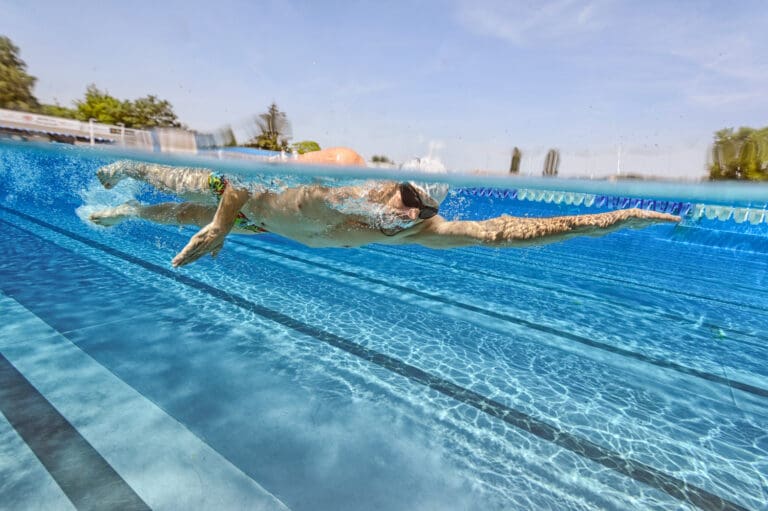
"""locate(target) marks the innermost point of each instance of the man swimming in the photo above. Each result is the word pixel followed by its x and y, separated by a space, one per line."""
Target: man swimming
pixel 385 212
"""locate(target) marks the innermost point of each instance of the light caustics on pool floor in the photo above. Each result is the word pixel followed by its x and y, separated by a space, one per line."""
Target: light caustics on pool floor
pixel 590 375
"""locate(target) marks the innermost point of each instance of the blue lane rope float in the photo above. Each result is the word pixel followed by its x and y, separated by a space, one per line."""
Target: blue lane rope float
pixel 685 209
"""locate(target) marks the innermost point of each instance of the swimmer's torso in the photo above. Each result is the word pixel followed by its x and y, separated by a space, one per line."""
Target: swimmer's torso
pixel 316 216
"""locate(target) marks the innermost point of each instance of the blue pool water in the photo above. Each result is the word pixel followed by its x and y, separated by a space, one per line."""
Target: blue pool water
pixel 623 372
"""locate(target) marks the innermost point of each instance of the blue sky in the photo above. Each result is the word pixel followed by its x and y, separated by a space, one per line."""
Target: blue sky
pixel 470 79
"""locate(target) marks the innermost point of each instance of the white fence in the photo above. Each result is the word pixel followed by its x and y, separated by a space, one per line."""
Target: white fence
pixel 79 132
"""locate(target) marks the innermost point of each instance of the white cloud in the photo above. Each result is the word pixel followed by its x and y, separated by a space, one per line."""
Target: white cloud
pixel 728 60
pixel 726 98
pixel 522 23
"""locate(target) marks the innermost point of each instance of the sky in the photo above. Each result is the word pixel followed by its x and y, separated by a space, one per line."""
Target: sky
pixel 616 86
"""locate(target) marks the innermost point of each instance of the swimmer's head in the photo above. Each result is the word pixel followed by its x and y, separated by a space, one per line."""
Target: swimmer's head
pixel 406 204
pixel 437 191
pixel 425 207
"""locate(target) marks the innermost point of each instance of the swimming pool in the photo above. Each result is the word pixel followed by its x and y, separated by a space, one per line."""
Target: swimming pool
pixel 623 372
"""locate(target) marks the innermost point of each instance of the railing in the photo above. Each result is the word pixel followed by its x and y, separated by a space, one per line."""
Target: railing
pixel 58 128
pixel 91 131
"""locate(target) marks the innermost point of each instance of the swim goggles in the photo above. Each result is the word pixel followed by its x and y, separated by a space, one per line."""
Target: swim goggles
pixel 412 199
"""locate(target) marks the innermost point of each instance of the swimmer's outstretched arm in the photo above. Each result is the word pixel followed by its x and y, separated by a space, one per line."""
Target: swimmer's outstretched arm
pixel 509 231
pixel 210 239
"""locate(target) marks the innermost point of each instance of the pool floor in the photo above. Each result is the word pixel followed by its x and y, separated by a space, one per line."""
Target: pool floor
pixel 621 373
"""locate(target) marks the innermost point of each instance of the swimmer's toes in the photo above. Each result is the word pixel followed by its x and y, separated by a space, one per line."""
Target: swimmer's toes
pixel 110 175
pixel 104 220
pixel 113 216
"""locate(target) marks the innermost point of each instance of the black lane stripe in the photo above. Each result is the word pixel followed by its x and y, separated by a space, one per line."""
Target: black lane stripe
pixel 642 287
pixel 539 285
pixel 636 470
pixel 86 478
pixel 660 362
pixel 646 287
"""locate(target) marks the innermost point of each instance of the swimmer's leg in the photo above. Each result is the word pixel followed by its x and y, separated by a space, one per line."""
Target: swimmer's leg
pixel 168 213
pixel 187 182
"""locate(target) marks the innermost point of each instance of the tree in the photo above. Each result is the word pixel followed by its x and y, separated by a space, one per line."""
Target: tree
pixel 226 137
pixel 16 93
pixel 143 113
pixel 102 107
pixel 551 162
pixel 56 110
pixel 15 84
pixel 380 158
pixel 150 112
pixel 514 166
pixel 740 155
pixel 305 146
pixel 274 130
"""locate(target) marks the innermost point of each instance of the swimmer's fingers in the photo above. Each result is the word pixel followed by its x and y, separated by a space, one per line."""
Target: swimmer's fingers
pixel 194 250
pixel 639 218
pixel 661 217
pixel 210 239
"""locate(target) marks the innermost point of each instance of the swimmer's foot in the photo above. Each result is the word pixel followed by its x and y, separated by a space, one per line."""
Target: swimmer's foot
pixel 113 216
pixel 111 174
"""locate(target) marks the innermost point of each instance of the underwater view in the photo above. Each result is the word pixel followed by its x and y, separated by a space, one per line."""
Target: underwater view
pixel 456 255
pixel 625 371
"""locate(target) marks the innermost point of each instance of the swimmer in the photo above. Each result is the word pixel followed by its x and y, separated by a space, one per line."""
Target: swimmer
pixel 384 212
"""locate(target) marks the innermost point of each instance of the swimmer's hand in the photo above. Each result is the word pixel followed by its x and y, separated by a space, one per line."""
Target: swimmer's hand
pixel 209 239
pixel 636 218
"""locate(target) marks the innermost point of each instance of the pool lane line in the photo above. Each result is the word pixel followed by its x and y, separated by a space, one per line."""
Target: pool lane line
pixel 84 476
pixel 534 284
pixel 666 364
pixel 583 447
pixel 643 287
pixel 595 256
pixel 566 269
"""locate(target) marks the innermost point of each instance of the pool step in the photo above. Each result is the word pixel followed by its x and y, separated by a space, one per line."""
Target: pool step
pixel 156 457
